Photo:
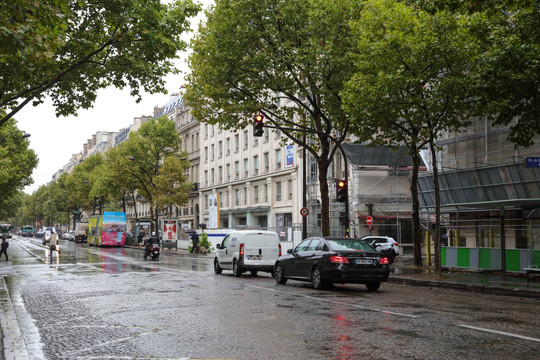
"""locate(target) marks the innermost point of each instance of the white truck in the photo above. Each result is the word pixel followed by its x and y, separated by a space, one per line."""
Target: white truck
pixel 81 232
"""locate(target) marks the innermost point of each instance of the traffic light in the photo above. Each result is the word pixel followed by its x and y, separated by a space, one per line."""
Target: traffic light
pixel 342 192
pixel 258 125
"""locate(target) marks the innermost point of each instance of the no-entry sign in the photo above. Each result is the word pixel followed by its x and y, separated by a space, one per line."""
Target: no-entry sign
pixel 369 220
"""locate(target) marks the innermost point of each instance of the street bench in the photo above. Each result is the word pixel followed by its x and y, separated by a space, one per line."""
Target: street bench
pixel 531 272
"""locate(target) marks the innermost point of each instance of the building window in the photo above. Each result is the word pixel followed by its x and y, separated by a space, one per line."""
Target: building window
pixel 220 174
pixel 255 194
pixel 278 191
pixel 266 162
pixel 278 159
pixel 246 168
pixel 290 189
pixel 236 170
pixel 212 176
pixel 236 143
pixel 237 197
pixel 228 150
pixel 228 172
pixel 246 140
pixel 255 165
pixel 212 152
pixel 220 149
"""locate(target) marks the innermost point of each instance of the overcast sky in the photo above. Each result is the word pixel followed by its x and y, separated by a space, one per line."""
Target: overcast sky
pixel 55 139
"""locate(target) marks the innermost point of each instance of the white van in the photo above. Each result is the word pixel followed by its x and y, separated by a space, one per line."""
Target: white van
pixel 247 250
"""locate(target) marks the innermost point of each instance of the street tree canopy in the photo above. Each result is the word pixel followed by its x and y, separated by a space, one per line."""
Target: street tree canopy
pixel 68 49
pixel 17 161
pixel 284 59
pixel 412 81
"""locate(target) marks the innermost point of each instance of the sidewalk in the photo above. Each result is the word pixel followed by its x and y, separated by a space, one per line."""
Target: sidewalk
pixel 404 272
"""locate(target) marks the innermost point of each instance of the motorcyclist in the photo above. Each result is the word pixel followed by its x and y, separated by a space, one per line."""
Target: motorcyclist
pixel 153 239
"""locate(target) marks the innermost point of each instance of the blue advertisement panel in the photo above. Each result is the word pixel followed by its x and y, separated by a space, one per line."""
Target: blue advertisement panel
pixel 289 155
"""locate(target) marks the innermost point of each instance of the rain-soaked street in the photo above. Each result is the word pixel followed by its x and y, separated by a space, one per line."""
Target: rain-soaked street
pixel 108 303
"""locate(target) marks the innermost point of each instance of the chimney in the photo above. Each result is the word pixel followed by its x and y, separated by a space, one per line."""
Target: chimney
pixel 94 139
pixel 85 148
pixel 157 110
pixel 89 142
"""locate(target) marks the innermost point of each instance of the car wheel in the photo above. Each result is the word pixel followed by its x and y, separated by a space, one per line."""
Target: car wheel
pixel 373 285
pixel 253 272
pixel 316 279
pixel 217 268
pixel 235 269
pixel 278 274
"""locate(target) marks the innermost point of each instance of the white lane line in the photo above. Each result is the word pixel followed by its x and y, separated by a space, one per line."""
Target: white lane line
pixel 338 302
pixel 500 332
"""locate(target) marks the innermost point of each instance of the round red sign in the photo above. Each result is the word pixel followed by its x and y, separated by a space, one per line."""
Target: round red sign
pixel 369 220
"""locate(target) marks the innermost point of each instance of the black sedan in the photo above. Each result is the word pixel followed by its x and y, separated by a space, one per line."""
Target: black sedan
pixel 324 261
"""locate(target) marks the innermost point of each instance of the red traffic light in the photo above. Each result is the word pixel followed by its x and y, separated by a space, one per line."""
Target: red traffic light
pixel 342 192
pixel 341 184
pixel 258 118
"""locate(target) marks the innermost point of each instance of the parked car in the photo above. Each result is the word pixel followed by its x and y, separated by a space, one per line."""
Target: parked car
pixel 382 243
pixel 325 261
pixel 247 250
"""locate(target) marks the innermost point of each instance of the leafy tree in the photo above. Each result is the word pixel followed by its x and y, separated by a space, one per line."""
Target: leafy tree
pixel 69 49
pixel 506 70
pixel 284 59
pixel 411 85
pixel 151 164
pixel 81 181
pixel 17 161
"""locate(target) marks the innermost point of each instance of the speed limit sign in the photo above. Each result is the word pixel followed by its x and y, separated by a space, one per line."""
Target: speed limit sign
pixel 304 211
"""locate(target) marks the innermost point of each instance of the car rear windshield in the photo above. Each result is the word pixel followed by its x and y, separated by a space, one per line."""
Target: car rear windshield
pixel 349 244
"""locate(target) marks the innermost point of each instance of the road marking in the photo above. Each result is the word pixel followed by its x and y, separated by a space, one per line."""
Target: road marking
pixel 500 332
pixel 338 302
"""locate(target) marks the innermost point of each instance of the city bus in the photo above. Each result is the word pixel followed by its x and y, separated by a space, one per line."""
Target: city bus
pixel 5 231
pixel 108 229
pixel 27 230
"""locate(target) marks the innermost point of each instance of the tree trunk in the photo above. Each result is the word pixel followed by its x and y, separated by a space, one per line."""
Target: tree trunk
pixel 325 201
pixel 417 230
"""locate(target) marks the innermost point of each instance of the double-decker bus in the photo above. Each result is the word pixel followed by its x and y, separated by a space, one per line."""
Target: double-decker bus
pixel 27 230
pixel 108 229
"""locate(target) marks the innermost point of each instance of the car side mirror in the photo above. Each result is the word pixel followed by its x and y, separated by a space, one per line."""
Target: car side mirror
pixel 290 251
pixel 325 248
pixel 218 246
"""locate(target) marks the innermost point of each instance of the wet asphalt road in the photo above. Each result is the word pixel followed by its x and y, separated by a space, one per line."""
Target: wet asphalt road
pixel 109 303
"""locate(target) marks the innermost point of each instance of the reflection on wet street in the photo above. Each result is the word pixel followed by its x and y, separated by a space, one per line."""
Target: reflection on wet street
pixel 109 303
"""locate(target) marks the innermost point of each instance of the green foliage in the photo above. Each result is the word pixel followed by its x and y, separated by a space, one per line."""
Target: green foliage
pixel 17 162
pixel 203 242
pixel 252 54
pixel 69 49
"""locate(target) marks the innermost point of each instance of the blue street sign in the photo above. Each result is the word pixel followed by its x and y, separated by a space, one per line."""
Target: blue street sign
pixel 532 162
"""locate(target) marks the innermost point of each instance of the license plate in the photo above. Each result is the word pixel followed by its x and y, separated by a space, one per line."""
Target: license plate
pixel 363 262
pixel 254 257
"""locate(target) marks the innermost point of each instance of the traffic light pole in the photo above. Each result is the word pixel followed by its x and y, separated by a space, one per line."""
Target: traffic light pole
pixel 344 159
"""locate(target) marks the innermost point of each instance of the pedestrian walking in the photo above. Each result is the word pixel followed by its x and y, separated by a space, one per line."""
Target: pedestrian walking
pixel 140 238
pixel 53 244
pixel 5 245
pixel 195 240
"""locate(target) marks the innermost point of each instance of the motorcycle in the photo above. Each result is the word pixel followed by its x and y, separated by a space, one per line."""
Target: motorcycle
pixel 153 252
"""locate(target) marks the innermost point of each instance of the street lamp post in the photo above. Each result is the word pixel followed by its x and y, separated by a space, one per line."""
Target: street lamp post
pixel 24 134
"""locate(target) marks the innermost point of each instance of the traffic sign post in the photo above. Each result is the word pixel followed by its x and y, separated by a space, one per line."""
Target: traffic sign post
pixel 369 223
pixel 304 211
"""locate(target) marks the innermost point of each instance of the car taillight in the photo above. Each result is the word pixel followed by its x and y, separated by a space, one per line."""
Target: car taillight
pixel 395 244
pixel 384 261
pixel 279 248
pixel 339 260
pixel 241 249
